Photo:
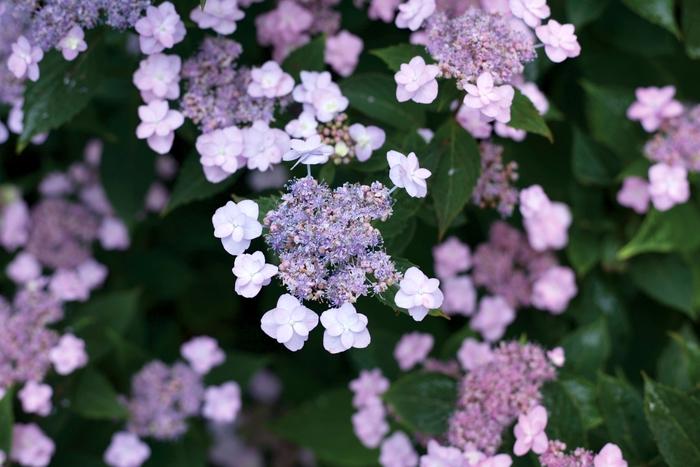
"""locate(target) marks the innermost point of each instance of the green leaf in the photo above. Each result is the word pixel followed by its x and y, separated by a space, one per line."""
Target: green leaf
pixel 62 91
pixel 691 354
pixel 309 57
pixel 584 396
pixel 455 162
pixel 676 366
pixel 191 185
pixel 568 425
pixel 96 399
pixel 127 172
pixel 7 420
pixel 582 12
pixel 666 278
pixel 524 116
pixel 404 209
pixel 593 163
pixel 93 320
pixel 327 173
pixel 584 250
pixel 423 401
pixel 659 12
pixel 374 94
pixel 606 109
pixel 663 232
pixel 323 425
pixel 588 348
pixel 396 55
pixel 690 17
pixel 266 204
pixel 674 419
pixel 623 411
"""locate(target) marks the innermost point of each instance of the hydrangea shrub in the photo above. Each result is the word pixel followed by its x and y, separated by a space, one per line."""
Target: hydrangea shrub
pixel 420 233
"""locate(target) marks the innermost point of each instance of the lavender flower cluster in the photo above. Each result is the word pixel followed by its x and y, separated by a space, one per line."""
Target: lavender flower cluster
pixel 59 231
pixel 162 399
pixel 495 189
pixel 478 42
pixel 508 266
pixel 25 336
pixel 292 23
pixel 216 93
pixel 51 20
pixel 556 456
pixel 494 394
pixel 673 149
pixel 14 19
pixel 62 233
pixel 678 141
pixel 328 248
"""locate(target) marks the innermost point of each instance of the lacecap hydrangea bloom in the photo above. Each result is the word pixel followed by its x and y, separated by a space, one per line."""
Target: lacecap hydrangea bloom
pixel 484 49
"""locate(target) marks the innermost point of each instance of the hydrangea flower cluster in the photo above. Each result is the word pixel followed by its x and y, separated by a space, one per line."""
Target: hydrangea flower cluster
pixel 369 421
pixel 494 187
pixel 216 90
pixel 484 50
pixel 29 348
pixel 234 106
pixel 328 251
pixel 484 44
pixel 158 76
pixel 38 27
pixel 30 446
pixel 14 21
pixel 512 273
pixel 292 23
pixel 530 436
pixel 492 395
pixel 673 149
pixel 327 247
pixel 481 127
pixel 57 233
pixel 546 222
pixel 323 125
pixel 164 396
pixel 501 385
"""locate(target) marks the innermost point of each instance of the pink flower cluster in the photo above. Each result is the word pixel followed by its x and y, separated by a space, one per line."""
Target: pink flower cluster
pixel 511 271
pixel 158 76
pixel 57 232
pixel 413 348
pixel 485 49
pixel 452 258
pixel 667 186
pixel 369 422
pixel 292 23
pixel 546 222
pixel 530 436
pixel 163 397
pixel 439 456
pixel 673 148
pixel 495 393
